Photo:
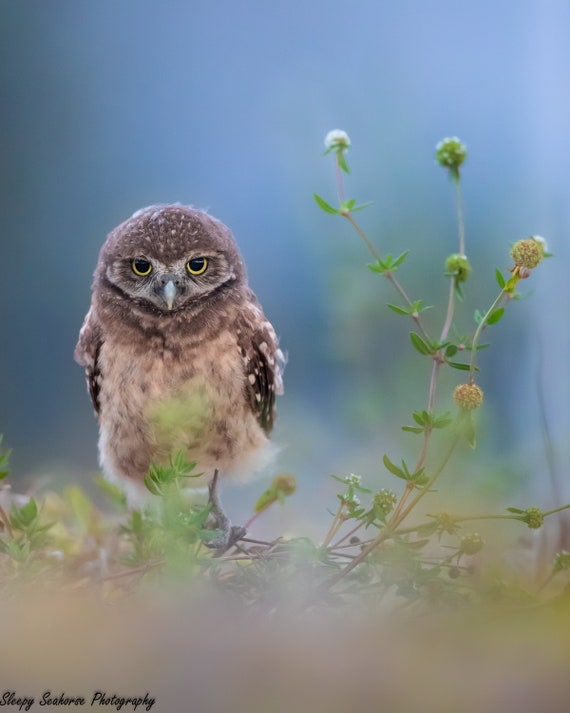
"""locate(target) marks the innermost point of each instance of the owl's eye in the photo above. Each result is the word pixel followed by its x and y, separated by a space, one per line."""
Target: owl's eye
pixel 141 267
pixel 197 265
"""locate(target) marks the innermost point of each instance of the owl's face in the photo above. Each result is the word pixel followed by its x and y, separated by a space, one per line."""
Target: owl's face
pixel 168 257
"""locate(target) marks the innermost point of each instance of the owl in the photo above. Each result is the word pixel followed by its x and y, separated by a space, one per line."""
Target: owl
pixel 178 354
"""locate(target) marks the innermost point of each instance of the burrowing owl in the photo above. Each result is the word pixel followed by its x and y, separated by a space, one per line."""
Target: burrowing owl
pixel 178 353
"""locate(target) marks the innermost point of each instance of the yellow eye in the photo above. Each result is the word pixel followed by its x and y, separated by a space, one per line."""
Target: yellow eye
pixel 197 265
pixel 141 267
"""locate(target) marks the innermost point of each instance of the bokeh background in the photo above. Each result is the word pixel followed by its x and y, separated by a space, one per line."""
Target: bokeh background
pixel 106 107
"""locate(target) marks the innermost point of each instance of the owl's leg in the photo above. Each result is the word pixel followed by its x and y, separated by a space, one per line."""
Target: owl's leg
pixel 229 534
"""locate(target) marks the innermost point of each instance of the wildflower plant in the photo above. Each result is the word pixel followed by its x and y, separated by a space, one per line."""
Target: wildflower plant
pixel 390 518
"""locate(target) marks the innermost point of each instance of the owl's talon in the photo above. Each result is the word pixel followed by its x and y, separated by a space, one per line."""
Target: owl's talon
pixel 229 534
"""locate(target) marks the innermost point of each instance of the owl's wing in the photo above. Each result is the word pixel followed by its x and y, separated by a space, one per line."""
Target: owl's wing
pixel 263 364
pixel 87 355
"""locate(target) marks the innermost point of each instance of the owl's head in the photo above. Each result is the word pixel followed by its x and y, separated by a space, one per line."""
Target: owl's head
pixel 166 257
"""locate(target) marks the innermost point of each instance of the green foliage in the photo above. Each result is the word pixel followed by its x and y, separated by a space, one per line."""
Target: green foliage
pixel 389 264
pixel 160 478
pixel 323 205
pixel 427 421
pixel 4 459
pixel 281 488
pixel 416 308
pixel 24 531
pixel 345 208
pixel 417 477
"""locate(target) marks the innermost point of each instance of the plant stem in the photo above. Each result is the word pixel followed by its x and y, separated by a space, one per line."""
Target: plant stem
pixel 348 534
pixel 478 331
pixel 460 217
pixel 450 310
pixel 427 487
pixel 387 274
pixel 560 509
pixel 405 495
pixel 335 525
pixel 252 519
pixel 339 179
pixel 347 214
pixel 438 358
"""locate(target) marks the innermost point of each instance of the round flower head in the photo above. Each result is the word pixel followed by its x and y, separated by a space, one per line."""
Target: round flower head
pixel 458 266
pixel 534 518
pixel 337 139
pixel 468 396
pixel 385 500
pixel 561 561
pixel 451 153
pixel 285 483
pixel 527 253
pixel 471 544
pixel 353 479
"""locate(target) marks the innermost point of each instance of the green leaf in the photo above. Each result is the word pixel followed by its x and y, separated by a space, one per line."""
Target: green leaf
pixel 419 307
pixel 478 316
pixel 265 500
pixel 422 418
pixel 393 468
pixel 451 350
pixel 342 161
pixel 389 264
pixel 496 315
pixel 378 267
pixel 413 429
pixel 470 431
pixel 152 484
pixel 340 480
pixel 398 310
pixel 23 517
pixel 361 206
pixel 184 468
pixel 442 421
pixel 4 458
pixel 500 279
pixel 400 259
pixel 419 478
pixel 468 427
pixel 325 206
pixel 350 206
pixel 458 365
pixel 516 511
pixel 420 344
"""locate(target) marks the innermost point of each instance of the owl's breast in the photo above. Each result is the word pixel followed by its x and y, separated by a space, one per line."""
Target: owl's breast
pixel 159 402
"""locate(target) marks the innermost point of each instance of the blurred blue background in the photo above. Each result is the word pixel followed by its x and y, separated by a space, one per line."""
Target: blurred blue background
pixel 106 107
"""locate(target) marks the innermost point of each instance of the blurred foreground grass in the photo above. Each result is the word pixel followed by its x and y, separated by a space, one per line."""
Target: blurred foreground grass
pixel 192 651
pixel 244 633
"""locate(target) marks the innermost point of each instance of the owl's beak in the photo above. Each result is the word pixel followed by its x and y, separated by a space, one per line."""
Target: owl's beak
pixel 169 293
